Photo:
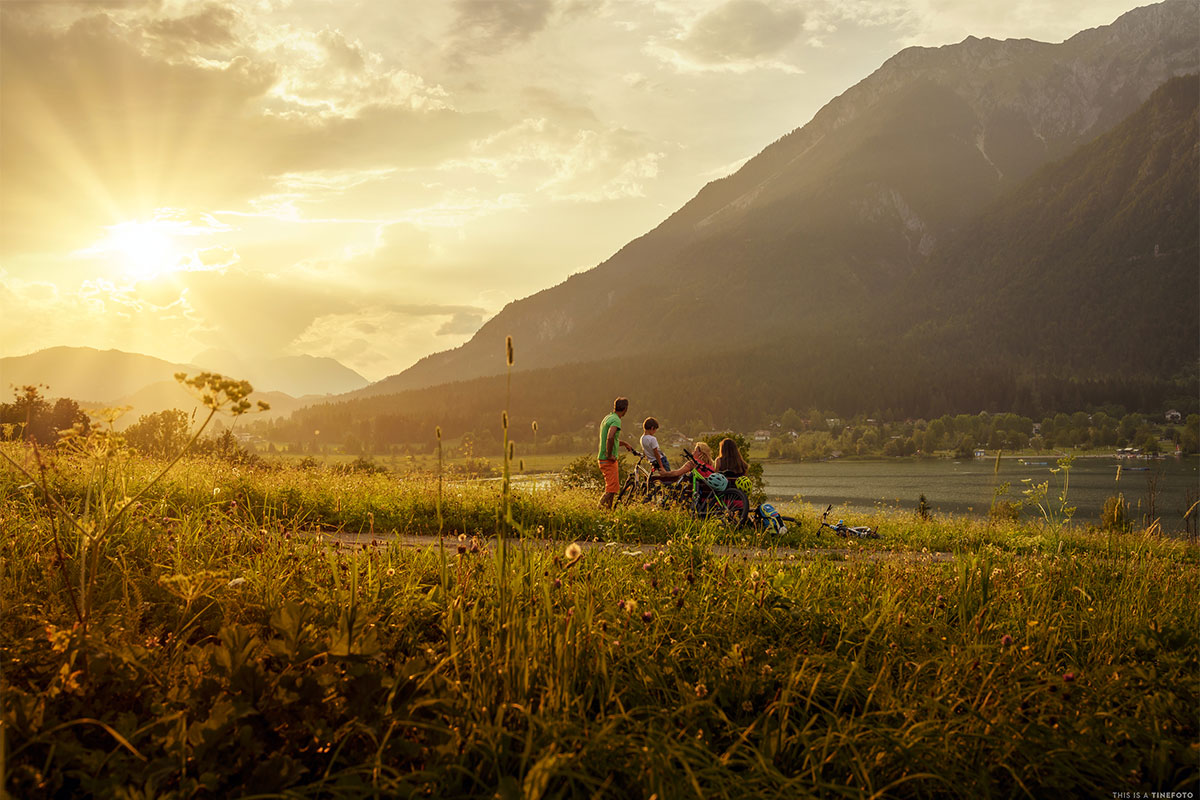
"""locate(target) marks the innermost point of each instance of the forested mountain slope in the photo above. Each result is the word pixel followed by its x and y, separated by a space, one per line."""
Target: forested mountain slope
pixel 1079 286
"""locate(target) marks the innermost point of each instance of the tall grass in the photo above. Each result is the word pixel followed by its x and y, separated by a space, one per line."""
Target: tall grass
pixel 236 649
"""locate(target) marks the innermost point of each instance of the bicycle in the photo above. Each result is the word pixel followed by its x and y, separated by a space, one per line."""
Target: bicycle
pixel 637 487
pixel 706 500
pixel 844 530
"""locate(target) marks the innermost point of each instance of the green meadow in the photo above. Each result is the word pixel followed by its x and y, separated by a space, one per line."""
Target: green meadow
pixel 205 629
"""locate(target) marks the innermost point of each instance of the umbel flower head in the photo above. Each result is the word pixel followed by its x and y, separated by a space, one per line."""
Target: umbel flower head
pixel 218 392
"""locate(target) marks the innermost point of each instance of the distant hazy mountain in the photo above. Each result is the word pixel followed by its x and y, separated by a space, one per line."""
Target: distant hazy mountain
pixel 113 377
pixel 833 222
pixel 170 394
pixel 293 375
pixel 98 378
pixel 87 374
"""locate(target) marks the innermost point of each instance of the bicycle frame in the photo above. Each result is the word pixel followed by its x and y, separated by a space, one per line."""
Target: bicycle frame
pixel 844 530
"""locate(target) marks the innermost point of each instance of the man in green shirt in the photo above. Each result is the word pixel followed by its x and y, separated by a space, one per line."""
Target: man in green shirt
pixel 610 437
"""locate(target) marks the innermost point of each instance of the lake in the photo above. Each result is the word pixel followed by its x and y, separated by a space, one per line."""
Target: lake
pixel 966 487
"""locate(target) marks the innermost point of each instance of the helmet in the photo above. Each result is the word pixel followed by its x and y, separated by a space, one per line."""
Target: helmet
pixel 718 482
pixel 744 483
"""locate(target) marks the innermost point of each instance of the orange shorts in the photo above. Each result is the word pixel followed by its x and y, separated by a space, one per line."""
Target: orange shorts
pixel 612 477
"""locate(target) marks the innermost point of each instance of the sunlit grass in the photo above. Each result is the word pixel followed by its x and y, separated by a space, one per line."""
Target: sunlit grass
pixel 233 650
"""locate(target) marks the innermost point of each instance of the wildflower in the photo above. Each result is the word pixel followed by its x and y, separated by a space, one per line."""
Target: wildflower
pixel 1005 640
pixel 647 616
pixel 1068 676
pixel 754 575
pixel 747 705
pixel 646 566
pixel 1033 623
pixel 574 551
pixel 557 583
pixel 462 537
pixel 391 571
pixel 701 690
pixel 621 605
pixel 631 605
pixel 541 529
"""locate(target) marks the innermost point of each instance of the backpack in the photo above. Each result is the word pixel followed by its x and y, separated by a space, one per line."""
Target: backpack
pixel 770 518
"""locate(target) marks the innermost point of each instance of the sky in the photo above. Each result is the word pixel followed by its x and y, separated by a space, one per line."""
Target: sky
pixel 371 180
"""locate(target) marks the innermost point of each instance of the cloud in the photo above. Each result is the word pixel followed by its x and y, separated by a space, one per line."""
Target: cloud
pixel 740 32
pixel 564 153
pixel 212 26
pixel 486 27
pixel 151 318
pixel 938 22
pixel 463 323
pixel 380 340
pixel 107 119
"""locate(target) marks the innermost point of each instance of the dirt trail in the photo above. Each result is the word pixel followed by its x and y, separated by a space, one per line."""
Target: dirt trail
pixel 421 541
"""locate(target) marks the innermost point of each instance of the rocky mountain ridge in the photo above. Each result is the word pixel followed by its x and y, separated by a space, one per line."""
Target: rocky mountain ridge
pixel 833 218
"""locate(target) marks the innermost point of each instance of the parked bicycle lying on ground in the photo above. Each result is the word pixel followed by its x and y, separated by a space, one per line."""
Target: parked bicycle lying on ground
pixel 844 530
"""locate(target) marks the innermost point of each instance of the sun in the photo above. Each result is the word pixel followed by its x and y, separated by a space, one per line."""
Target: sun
pixel 143 250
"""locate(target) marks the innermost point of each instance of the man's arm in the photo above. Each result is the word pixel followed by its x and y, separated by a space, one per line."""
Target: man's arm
pixel 609 450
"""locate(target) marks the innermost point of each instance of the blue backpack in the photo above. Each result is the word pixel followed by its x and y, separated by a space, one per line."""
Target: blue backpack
pixel 770 518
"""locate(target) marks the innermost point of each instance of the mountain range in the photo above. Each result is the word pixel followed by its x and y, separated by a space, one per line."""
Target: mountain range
pixel 99 378
pixel 834 219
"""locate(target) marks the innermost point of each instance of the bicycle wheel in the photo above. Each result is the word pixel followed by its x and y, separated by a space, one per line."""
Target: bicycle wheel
pixel 629 490
pixel 734 507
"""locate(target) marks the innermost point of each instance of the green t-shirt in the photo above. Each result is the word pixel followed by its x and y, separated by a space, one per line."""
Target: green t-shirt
pixel 611 421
